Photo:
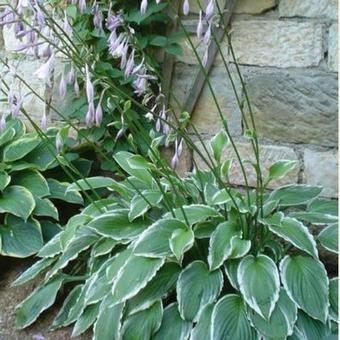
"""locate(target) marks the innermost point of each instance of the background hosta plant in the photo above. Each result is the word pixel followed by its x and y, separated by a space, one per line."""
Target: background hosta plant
pixel 166 258
pixel 32 186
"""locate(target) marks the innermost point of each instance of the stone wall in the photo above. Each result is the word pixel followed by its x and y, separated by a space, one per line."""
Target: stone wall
pixel 288 54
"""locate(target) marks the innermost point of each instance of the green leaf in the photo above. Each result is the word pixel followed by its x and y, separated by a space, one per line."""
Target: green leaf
pixel 173 327
pixel 143 175
pixel 139 162
pixel 141 204
pixel 229 319
pixel 181 241
pixel 194 213
pixel 20 238
pixel 202 329
pixel 295 194
pixel 308 328
pixel 117 226
pixel 280 169
pixel 29 274
pixel 296 233
pixel 239 247
pixel 33 181
pixel 91 183
pixel 86 319
pixel 160 286
pixel 305 280
pixel 154 242
pixel 17 201
pixel 6 136
pixel 58 190
pixel 107 326
pixel 5 179
pixel 71 299
pixel 44 207
pixel 103 247
pixel 20 148
pixel 218 143
pixel 134 276
pixel 204 229
pixel 196 280
pixel 259 283
pixel 313 217
pixel 334 298
pixel 230 268
pixel 329 238
pixel 322 206
pixel 142 325
pixel 159 40
pixel 42 298
pixel 282 320
pixel 220 247
pixel 117 262
pixel 221 197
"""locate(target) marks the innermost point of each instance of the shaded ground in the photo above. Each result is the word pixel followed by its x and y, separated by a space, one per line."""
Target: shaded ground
pixel 11 296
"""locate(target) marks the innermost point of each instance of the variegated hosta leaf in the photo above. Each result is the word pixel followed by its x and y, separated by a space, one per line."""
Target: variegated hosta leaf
pixel 202 329
pixel 116 263
pixel 140 204
pixel 194 213
pixel 305 280
pixel 154 242
pixel 42 298
pixel 118 226
pixel 173 326
pixel 108 323
pixel 103 246
pixel 220 243
pixel 229 320
pixel 86 320
pixel 296 194
pixel 69 302
pixel 51 248
pixel 181 241
pixel 308 328
pixel 33 181
pixel 239 247
pixel 33 271
pixel 91 183
pixel 84 238
pixel 230 268
pixel 282 320
pixel 296 233
pixel 334 298
pixel 164 281
pixel 134 276
pixel 259 283
pixel 329 238
pixel 196 280
pixel 142 325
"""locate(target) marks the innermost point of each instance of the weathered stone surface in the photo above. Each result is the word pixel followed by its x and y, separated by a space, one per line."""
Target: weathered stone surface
pixel 253 7
pixel 269 155
pixel 32 104
pixel 278 43
pixel 206 117
pixel 309 8
pixel 242 6
pixel 321 168
pixel 333 60
pixel 297 108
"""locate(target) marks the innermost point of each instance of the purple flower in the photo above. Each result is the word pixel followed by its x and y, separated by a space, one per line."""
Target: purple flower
pixel 3 123
pixel 207 36
pixel 76 88
pixel 44 71
pixel 209 13
pixel 82 5
pixel 71 75
pixel 62 86
pixel 130 65
pixel 205 57
pixel 143 6
pixel 113 22
pixel 186 7
pixel 16 107
pixel 90 115
pixel 43 122
pixel 199 30
pixel 99 113
pixel 89 86
pixel 66 26
pixel 59 143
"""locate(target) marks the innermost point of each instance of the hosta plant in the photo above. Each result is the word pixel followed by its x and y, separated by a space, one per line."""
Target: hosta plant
pixel 191 258
pixel 29 196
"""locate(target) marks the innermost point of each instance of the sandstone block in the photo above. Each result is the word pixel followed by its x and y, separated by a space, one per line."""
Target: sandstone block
pixel 333 59
pixel 296 108
pixel 309 8
pixel 321 168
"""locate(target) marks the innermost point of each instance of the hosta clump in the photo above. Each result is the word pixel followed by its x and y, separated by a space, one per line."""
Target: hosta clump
pixel 28 215
pixel 171 258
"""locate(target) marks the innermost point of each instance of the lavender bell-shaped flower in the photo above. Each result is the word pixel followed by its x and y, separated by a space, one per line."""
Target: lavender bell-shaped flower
pixel 186 7
pixel 76 88
pixel 59 143
pixel 175 158
pixel 205 57
pixel 44 71
pixel 209 13
pixel 16 107
pixel 43 122
pixel 71 76
pixel 90 115
pixel 143 6
pixel 3 123
pixel 89 86
pixel 99 112
pixel 66 26
pixel 199 30
pixel 82 5
pixel 62 86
